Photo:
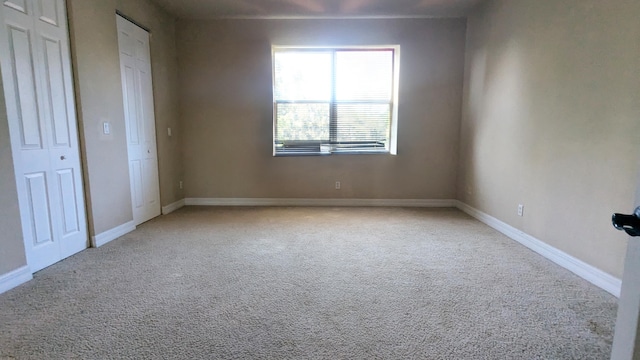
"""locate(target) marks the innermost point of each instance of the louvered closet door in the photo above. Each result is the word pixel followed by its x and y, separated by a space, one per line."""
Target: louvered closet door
pixel 36 72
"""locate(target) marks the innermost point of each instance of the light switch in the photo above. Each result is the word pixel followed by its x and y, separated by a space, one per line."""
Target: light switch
pixel 106 128
pixel 169 131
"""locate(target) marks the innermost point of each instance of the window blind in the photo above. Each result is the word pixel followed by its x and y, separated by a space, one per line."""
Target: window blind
pixel 333 100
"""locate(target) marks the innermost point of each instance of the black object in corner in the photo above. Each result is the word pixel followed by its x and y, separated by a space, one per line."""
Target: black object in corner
pixel 628 223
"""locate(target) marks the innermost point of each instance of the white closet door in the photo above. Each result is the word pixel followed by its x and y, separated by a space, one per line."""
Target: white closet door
pixel 36 72
pixel 135 67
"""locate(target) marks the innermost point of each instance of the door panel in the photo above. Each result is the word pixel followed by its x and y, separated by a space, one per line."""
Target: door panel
pixel 137 91
pixel 151 170
pixel 36 70
pixel 136 175
pixel 132 108
pixel 69 211
pixel 18 5
pixel 24 80
pixel 48 11
pixel 37 192
pixel 54 86
pixel 139 98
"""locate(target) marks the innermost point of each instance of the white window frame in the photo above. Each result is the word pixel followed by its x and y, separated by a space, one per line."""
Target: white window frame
pixel 392 148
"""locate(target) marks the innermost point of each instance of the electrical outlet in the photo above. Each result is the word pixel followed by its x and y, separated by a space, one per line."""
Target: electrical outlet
pixel 337 185
pixel 520 210
pixel 180 184
pixel 106 128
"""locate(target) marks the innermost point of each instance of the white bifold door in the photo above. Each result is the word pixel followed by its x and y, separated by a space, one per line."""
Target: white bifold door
pixel 36 73
pixel 137 91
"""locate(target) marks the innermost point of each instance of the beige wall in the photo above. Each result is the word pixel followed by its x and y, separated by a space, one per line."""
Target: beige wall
pixel 551 119
pixel 95 57
pixel 226 110
pixel 11 245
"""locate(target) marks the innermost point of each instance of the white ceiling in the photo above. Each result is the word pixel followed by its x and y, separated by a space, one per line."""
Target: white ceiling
pixel 203 9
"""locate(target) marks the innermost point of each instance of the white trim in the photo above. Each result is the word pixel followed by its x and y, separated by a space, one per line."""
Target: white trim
pixel 592 274
pixel 330 17
pixel 434 203
pixel 112 234
pixel 172 207
pixel 15 278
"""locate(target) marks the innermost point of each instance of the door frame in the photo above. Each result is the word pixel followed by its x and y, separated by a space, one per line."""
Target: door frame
pixel 626 340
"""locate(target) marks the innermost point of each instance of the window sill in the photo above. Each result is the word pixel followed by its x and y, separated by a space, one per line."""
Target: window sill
pixel 338 152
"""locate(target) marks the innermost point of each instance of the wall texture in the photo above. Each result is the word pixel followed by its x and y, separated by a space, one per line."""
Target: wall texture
pixel 226 110
pixel 11 244
pixel 95 58
pixel 551 120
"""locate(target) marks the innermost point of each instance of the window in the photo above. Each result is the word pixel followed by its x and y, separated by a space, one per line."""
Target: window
pixel 334 100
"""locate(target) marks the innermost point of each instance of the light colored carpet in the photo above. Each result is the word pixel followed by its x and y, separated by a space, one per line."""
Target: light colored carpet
pixel 305 283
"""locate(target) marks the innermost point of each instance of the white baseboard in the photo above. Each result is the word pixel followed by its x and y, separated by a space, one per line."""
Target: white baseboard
pixel 14 278
pixel 592 274
pixel 172 207
pixel 112 234
pixel 320 202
